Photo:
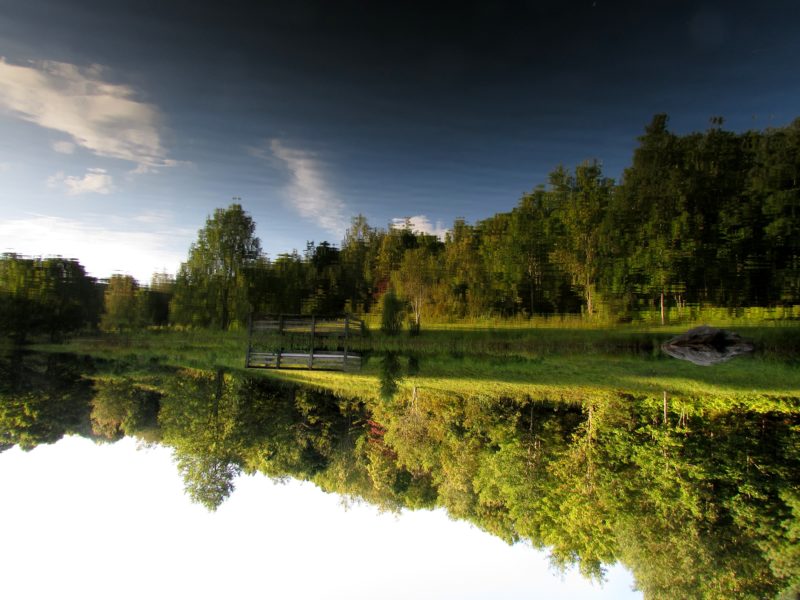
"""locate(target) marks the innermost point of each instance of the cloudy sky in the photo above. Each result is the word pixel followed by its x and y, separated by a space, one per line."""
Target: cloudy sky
pixel 124 124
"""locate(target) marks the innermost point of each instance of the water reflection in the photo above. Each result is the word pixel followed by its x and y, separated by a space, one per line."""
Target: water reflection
pixel 393 368
pixel 42 398
pixel 710 494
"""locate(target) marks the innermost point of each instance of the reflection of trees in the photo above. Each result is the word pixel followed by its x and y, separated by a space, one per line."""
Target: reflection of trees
pixel 706 498
pixel 42 398
pixel 220 424
pixel 705 507
pixel 391 372
pixel 702 505
pixel 120 408
pixel 197 418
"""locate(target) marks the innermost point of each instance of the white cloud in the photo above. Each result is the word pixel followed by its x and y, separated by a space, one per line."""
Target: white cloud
pixel 96 181
pixel 63 147
pixel 153 217
pixel 105 118
pixel 421 224
pixel 102 249
pixel 309 194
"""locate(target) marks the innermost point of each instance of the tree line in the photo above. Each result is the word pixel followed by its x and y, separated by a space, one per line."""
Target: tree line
pixel 704 218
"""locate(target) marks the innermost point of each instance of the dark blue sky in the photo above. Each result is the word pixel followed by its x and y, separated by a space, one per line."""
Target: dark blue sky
pixel 312 112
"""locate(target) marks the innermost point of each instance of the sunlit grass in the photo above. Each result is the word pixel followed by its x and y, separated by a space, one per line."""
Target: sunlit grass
pixel 641 321
pixel 555 362
pixel 574 378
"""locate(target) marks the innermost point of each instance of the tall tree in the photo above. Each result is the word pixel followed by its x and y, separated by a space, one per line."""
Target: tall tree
pixel 211 287
pixel 651 214
pixel 462 289
pixel 582 200
pixel 358 256
pixel 533 226
pixel 415 280
pixel 775 187
pixel 124 304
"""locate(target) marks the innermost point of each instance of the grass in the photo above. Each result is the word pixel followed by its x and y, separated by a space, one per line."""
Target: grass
pixel 641 321
pixel 549 359
pixel 578 378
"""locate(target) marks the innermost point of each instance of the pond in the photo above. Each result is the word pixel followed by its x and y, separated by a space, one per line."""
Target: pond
pixel 408 483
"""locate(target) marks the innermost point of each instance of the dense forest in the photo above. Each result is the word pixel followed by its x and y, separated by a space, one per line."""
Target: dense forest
pixel 709 218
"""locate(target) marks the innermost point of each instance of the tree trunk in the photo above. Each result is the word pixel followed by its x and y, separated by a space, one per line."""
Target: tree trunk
pixel 663 320
pixel 224 316
pixel 589 303
pixel 531 298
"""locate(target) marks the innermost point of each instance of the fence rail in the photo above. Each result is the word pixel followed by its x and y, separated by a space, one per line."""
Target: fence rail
pixel 311 325
pixel 327 361
pixel 303 331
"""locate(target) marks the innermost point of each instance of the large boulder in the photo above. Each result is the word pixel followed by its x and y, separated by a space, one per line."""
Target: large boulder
pixel 706 345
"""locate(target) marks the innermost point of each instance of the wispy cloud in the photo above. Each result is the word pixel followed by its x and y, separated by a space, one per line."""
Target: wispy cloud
pixel 153 217
pixel 96 181
pixel 104 118
pixel 63 147
pixel 310 195
pixel 421 224
pixel 102 249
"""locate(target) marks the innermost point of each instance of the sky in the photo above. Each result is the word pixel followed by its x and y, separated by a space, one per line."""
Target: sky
pixel 113 520
pixel 124 124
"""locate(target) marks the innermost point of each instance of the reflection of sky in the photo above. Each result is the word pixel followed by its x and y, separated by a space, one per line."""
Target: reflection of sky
pixel 124 124
pixel 108 520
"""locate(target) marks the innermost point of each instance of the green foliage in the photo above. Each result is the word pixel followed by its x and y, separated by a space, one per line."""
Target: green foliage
pixel 120 407
pixel 391 313
pixel 198 419
pixel 358 256
pixel 52 296
pixel 414 281
pixel 211 286
pixel 124 304
pixel 209 479
pixel 581 205
pixel 42 398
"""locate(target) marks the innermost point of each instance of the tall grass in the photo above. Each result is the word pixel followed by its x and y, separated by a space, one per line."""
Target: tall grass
pixel 674 317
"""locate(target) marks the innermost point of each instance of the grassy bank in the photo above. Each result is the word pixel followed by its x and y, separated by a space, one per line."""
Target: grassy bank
pixel 546 360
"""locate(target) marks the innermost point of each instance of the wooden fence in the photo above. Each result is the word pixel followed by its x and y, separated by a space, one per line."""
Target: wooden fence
pixel 304 330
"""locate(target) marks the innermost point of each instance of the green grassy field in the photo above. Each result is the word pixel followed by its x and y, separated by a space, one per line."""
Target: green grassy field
pixel 572 361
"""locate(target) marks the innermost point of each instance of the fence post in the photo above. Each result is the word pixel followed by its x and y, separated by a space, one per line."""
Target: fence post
pixel 311 351
pixel 346 332
pixel 249 339
pixel 280 344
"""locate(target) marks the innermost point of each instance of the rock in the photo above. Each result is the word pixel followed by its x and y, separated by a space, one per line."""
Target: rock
pixel 706 345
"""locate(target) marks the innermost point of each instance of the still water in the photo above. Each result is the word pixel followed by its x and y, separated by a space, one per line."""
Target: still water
pixel 242 482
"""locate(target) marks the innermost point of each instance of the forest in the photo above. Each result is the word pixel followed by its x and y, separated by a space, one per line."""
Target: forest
pixel 707 218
